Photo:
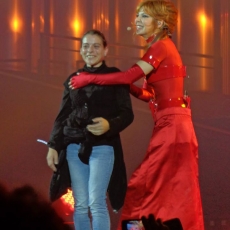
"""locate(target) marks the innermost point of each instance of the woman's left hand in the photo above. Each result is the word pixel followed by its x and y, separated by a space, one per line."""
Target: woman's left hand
pixel 80 80
pixel 100 127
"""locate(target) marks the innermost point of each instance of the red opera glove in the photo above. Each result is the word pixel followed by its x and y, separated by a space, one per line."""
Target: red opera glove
pixel 146 93
pixel 126 77
pixel 141 93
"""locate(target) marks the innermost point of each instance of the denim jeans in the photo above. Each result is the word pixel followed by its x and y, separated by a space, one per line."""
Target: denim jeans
pixel 89 185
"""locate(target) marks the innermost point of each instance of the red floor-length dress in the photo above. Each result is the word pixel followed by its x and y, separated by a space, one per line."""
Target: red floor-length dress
pixel 166 182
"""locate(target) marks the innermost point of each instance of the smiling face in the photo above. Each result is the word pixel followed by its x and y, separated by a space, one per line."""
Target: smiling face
pixel 93 50
pixel 155 17
pixel 145 24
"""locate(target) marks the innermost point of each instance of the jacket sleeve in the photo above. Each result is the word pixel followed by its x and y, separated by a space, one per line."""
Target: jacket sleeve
pixel 56 136
pixel 125 115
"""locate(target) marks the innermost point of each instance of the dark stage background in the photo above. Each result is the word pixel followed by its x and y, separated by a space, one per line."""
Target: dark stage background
pixel 39 48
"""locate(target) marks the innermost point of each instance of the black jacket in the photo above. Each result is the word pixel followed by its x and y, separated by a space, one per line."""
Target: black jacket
pixel 110 102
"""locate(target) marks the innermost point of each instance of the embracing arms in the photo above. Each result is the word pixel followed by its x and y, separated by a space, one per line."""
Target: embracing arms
pixel 146 93
pixel 136 72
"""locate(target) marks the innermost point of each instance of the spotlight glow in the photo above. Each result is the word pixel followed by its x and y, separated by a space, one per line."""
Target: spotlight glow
pixel 15 24
pixel 68 199
pixel 76 26
pixel 203 20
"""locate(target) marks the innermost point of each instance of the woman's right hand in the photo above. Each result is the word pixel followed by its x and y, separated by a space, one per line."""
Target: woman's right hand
pixel 52 159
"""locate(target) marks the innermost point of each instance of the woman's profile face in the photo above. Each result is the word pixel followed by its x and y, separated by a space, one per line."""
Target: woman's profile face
pixel 144 24
pixel 92 50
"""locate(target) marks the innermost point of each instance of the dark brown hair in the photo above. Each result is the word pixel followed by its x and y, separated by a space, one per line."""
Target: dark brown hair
pixel 98 33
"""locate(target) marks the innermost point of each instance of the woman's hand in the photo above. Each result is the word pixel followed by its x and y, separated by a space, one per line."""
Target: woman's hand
pixel 80 80
pixel 52 159
pixel 100 127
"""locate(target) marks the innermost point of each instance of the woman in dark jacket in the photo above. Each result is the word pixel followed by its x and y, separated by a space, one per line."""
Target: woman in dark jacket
pixel 88 126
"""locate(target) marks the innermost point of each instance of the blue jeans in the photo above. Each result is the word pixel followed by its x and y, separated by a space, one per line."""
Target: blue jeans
pixel 89 185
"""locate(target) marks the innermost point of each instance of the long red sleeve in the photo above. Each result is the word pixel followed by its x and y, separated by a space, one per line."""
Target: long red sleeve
pixel 126 77
pixel 141 93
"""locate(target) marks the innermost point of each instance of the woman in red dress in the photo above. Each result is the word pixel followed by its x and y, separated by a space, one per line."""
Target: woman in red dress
pixel 166 182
